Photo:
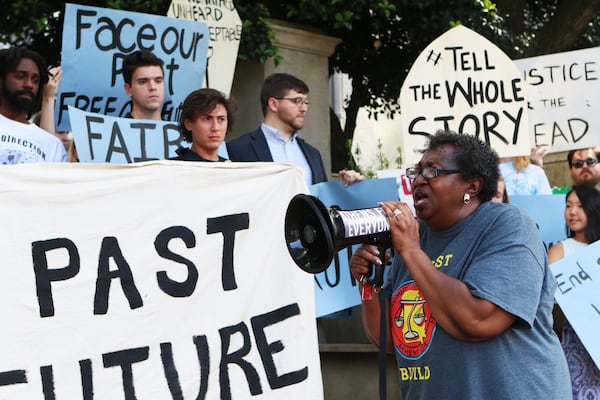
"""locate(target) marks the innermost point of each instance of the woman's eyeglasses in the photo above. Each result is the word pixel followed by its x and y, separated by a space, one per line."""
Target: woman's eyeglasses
pixel 428 172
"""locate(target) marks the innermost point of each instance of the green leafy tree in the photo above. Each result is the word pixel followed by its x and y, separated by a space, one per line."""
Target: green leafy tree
pixel 38 24
pixel 380 38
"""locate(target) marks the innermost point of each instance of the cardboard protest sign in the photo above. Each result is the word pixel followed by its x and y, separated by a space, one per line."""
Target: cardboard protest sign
pixel 153 280
pixel 547 210
pixel 578 280
pixel 225 33
pixel 564 97
pixel 95 41
pixel 105 139
pixel 403 184
pixel 464 83
pixel 335 288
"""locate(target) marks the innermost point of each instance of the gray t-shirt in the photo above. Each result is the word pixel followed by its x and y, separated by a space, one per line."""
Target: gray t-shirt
pixel 498 253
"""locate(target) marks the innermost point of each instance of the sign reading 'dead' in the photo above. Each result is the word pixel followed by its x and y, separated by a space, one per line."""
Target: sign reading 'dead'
pixel 564 93
pixel 464 83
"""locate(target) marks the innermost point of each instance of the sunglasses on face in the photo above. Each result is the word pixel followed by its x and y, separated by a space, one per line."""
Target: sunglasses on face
pixel 579 163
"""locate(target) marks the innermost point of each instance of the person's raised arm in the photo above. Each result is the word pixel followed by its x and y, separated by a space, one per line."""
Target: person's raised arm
pixel 48 99
pixel 537 155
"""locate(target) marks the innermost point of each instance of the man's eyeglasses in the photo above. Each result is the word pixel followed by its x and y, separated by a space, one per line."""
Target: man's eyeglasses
pixel 299 101
pixel 579 163
pixel 428 172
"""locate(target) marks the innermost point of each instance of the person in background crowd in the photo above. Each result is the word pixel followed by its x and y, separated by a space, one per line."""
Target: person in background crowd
pixel 459 310
pixel 284 101
pixel 584 166
pixel 144 82
pixel 501 195
pixel 523 178
pixel 582 216
pixel 23 75
pixel 206 117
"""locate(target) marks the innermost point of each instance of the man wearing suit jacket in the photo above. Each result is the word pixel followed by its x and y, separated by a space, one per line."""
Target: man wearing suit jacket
pixel 284 104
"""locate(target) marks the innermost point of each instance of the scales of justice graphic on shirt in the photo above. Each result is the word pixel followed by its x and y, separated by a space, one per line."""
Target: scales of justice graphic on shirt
pixel 413 326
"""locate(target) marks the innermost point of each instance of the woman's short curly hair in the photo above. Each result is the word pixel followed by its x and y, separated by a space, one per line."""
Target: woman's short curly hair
pixel 473 157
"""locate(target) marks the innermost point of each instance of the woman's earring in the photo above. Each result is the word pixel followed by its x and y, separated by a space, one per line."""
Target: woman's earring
pixel 466 198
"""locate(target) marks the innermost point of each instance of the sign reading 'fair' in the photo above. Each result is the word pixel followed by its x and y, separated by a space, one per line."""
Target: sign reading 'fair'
pixel 464 83
pixel 143 283
pixel 105 139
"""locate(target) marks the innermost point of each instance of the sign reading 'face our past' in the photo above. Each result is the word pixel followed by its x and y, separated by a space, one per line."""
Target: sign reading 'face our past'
pixel 95 42
pixel 464 83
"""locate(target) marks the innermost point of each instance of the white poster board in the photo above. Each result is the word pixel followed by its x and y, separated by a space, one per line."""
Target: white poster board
pixel 154 280
pixel 564 98
pixel 225 33
pixel 464 83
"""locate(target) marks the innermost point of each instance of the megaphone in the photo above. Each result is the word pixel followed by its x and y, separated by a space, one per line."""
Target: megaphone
pixel 315 233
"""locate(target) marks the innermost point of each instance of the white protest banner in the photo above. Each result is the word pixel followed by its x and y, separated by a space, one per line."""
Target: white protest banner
pixel 105 139
pixel 225 31
pixel 156 280
pixel 95 41
pixel 578 279
pixel 564 96
pixel 465 83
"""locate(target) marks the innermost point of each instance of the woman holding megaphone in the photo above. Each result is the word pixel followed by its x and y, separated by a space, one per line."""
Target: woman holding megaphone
pixel 469 296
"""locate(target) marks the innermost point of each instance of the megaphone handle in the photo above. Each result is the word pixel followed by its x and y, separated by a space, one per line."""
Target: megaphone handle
pixel 377 280
pixel 376 283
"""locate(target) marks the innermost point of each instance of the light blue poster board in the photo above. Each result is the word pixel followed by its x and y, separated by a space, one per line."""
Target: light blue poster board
pixel 95 41
pixel 548 213
pixel 578 295
pixel 105 139
pixel 335 288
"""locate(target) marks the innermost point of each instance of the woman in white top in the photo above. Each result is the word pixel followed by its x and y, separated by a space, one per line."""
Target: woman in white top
pixel 582 215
